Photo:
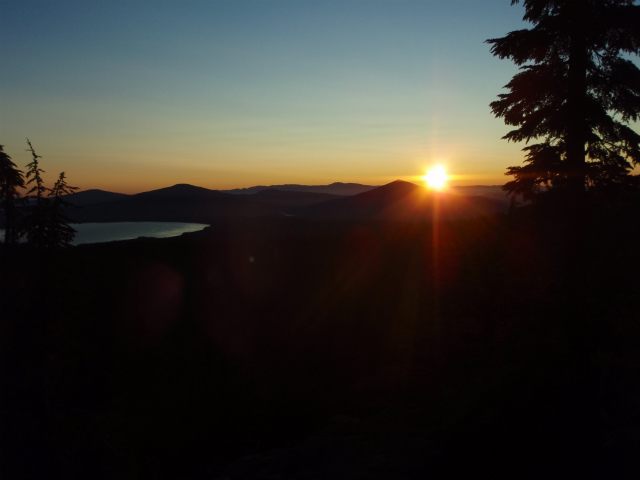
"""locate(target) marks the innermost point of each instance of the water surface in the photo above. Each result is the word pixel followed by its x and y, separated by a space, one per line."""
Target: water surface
pixel 112 231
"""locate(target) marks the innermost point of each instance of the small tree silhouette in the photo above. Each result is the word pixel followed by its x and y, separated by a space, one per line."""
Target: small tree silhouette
pixel 59 232
pixel 11 180
pixel 47 226
pixel 36 220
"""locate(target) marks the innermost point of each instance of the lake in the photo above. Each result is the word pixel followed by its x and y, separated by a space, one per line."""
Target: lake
pixel 109 232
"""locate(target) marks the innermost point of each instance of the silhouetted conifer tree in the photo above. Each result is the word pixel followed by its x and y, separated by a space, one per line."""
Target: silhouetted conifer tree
pixel 36 221
pixel 59 233
pixel 576 91
pixel 11 180
pixel 47 225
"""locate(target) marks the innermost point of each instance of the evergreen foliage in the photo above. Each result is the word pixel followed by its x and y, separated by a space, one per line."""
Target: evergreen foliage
pixel 47 225
pixel 59 233
pixel 36 221
pixel 11 180
pixel 577 92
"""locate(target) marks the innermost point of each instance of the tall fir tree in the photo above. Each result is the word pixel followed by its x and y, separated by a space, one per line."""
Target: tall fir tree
pixel 11 180
pixel 37 209
pixel 577 91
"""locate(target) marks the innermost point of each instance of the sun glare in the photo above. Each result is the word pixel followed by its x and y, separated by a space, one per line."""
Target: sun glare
pixel 436 178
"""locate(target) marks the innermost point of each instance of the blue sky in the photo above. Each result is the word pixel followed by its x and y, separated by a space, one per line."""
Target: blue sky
pixel 133 95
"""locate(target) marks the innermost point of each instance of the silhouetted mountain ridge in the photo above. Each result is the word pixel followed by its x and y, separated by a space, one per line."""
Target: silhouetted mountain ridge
pixel 291 198
pixel 404 200
pixel 491 191
pixel 181 190
pixel 179 203
pixel 336 188
pixel 90 197
pixel 189 203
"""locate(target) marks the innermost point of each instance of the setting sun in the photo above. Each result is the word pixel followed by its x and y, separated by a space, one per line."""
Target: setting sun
pixel 436 178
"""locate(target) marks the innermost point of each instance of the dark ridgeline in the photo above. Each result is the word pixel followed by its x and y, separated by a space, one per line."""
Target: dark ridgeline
pixel 401 200
pixel 90 197
pixel 187 203
pixel 179 203
pixel 336 188
pixel 292 198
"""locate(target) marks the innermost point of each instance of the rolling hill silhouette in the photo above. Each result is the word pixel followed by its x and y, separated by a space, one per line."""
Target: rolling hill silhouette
pixel 291 198
pixel 336 188
pixel 182 190
pixel 179 203
pixel 494 192
pixel 403 200
pixel 90 197
pixel 398 200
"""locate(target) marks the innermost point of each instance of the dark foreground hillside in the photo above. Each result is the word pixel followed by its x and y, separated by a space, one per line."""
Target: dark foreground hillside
pixel 290 348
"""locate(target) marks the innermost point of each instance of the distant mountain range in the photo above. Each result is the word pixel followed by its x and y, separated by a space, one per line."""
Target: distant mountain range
pixel 179 203
pixel 89 197
pixel 188 203
pixel 336 188
pixel 404 200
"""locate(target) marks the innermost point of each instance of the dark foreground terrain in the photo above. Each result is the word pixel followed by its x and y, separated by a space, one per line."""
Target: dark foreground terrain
pixel 299 349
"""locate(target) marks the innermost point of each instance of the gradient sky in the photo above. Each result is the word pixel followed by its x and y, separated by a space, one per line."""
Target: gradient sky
pixel 133 95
